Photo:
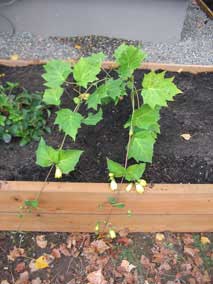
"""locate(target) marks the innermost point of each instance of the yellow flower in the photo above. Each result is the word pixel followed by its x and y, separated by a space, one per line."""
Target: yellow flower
pixel 129 187
pixel 139 188
pixel 159 237
pixel 113 185
pixel 112 234
pixel 143 182
pixel 58 172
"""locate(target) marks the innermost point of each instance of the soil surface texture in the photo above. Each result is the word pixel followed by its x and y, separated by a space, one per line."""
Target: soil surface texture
pixel 175 160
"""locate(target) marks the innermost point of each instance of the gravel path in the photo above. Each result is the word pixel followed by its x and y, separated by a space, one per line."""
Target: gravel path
pixel 195 47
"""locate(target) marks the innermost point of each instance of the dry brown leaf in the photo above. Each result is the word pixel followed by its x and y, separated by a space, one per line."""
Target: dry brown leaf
pixel 190 251
pixel 56 253
pixel 23 278
pixel 206 277
pixel 192 281
pixel 96 277
pixel 188 239
pixel 164 267
pixel 16 252
pixel 99 246
pixel 41 241
pixel 64 250
pixel 4 282
pixel 20 267
pixel 126 266
pixel 36 281
pixel 145 261
pixel 124 233
pixel 186 136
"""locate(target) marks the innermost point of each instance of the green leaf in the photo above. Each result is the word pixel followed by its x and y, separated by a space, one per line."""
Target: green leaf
pixel 145 118
pixel 128 58
pixel 115 168
pixel 2 120
pixel 135 172
pixel 52 96
pixel 57 72
pixel 113 201
pixel 141 146
pixel 87 68
pixel 68 160
pixel 31 203
pixel 46 155
pixel 112 89
pixel 93 119
pixel 69 121
pixel 119 205
pixel 157 90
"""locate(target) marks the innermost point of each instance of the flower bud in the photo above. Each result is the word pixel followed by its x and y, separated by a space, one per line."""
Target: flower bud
pixel 131 132
pixel 111 175
pixel 58 172
pixel 139 188
pixel 112 234
pixel 129 187
pixel 113 185
pixel 77 100
pixel 142 182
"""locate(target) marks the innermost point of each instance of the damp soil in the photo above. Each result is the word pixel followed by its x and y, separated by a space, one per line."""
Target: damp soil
pixel 209 3
pixel 175 159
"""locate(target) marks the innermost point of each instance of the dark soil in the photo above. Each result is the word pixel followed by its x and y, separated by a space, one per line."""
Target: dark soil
pixel 209 3
pixel 175 159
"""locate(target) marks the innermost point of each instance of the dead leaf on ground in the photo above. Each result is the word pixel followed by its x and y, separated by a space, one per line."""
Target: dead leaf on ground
pixel 16 252
pixel 64 250
pixel 186 136
pixel 23 278
pixel 56 253
pixel 41 262
pixel 41 241
pixel 96 277
pixel 159 237
pixel 190 251
pixel 4 282
pixel 126 266
pixel 37 281
pixel 124 233
pixel 20 267
pixel 99 246
pixel 188 239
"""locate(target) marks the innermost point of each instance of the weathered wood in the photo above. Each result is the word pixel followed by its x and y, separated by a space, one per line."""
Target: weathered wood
pixel 112 65
pixel 205 8
pixel 74 207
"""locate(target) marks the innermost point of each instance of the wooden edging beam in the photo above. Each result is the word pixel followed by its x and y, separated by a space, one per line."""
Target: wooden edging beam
pixel 112 65
pixel 75 207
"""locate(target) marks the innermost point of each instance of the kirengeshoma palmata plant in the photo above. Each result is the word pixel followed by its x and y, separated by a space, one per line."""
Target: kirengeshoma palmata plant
pixel 142 125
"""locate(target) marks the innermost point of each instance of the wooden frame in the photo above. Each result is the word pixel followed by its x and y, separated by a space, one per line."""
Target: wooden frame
pixel 74 207
pixel 112 65
pixel 205 8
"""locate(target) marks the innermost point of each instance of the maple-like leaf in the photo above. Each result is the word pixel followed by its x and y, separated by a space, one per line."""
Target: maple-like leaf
pixel 99 246
pixel 96 277
pixel 41 241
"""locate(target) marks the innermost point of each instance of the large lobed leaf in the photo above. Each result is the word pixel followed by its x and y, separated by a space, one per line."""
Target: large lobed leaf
pixel 128 58
pixel 157 89
pixel 69 121
pixel 132 173
pixel 65 160
pixel 87 68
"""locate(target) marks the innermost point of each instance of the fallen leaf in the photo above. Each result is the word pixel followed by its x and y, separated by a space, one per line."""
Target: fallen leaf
pixel 23 278
pixel 41 241
pixel 206 277
pixel 64 250
pixel 145 261
pixel 191 251
pixel 125 241
pixel 78 46
pixel 205 240
pixel 56 253
pixel 164 267
pixel 36 281
pixel 41 262
pixel 4 282
pixel 124 233
pixel 14 57
pixel 126 266
pixel 186 136
pixel 16 252
pixel 159 237
pixel 20 267
pixel 96 277
pixel 99 246
pixel 188 239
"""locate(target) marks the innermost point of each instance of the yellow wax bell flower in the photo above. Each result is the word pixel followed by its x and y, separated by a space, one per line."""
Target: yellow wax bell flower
pixel 139 188
pixel 112 234
pixel 142 182
pixel 129 187
pixel 205 240
pixel 113 185
pixel 58 172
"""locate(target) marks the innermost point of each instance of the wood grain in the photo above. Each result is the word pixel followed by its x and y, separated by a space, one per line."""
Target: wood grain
pixel 74 207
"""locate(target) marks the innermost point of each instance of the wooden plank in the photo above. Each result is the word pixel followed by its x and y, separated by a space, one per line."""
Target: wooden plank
pixel 205 8
pixel 74 207
pixel 112 65
pixel 85 223
pixel 79 198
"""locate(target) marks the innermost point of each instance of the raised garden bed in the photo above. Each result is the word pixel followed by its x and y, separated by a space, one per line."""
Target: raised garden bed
pixel 170 205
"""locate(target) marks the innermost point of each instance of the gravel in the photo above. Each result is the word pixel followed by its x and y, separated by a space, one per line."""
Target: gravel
pixel 195 47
